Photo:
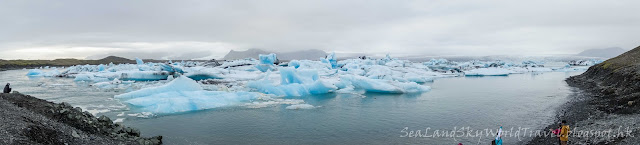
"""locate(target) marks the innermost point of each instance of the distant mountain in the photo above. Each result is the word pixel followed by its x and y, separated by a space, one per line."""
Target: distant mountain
pixel 311 54
pixel 604 53
pixel 253 53
pixel 114 58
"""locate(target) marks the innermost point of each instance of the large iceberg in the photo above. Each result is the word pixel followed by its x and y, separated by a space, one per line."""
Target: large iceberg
pixel 40 73
pixel 293 83
pixel 183 101
pixel 181 95
pixel 181 83
pixel 380 86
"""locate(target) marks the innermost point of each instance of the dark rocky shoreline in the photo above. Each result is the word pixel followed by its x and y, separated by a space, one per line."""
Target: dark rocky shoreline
pixel 29 120
pixel 606 99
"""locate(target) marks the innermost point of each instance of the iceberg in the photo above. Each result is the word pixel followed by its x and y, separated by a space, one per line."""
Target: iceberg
pixel 331 59
pixel 181 83
pixel 267 62
pixel 181 95
pixel 300 106
pixel 144 75
pixel 492 71
pixel 184 101
pixel 293 83
pixel 115 83
pixel 268 58
pixel 139 61
pixel 84 77
pixel 380 86
pixel 34 72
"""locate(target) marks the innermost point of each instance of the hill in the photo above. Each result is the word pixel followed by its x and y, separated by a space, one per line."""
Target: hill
pixel 604 53
pixel 19 64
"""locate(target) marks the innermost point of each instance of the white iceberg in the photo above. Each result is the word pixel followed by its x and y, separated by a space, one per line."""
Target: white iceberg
pixel 492 71
pixel 181 95
pixel 183 101
pixel 144 75
pixel 300 106
pixel 181 83
pixel 380 86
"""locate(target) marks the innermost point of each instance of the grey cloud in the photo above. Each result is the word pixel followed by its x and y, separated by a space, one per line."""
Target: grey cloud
pixel 396 27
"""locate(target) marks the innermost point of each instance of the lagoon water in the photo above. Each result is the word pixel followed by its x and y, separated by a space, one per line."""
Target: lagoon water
pixel 527 100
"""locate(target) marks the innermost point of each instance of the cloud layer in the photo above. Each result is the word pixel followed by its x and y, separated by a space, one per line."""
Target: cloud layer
pixel 209 29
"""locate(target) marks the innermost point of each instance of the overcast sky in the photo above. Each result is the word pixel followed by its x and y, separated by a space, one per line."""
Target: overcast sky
pixel 209 29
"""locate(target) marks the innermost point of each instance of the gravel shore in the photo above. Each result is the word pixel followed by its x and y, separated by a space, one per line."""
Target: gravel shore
pixel 29 120
pixel 604 109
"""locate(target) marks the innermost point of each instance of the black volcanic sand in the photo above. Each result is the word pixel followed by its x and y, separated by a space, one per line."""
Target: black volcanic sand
pixel 29 120
pixel 604 109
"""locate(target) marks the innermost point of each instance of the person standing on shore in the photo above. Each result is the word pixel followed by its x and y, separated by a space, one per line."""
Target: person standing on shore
pixel 557 132
pixel 564 133
pixel 7 89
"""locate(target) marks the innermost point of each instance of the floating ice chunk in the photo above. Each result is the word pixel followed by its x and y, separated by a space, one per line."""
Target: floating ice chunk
pixel 171 68
pixel 183 101
pixel 294 63
pixel 265 86
pixel 144 75
pixel 265 67
pixel 139 61
pixel 291 76
pixel 205 73
pixel 108 85
pixel 84 77
pixel 142 114
pixel 293 83
pixel 118 120
pixel 266 101
pixel 300 106
pixel 40 73
pixel 413 77
pixel 395 63
pixel 267 62
pixel 492 71
pixel 101 67
pixel 181 95
pixel 331 60
pixel 529 69
pixel 268 58
pixel 181 83
pixel 34 72
pixel 381 86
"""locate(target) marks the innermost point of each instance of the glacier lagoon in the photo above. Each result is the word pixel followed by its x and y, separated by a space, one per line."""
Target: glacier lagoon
pixel 527 100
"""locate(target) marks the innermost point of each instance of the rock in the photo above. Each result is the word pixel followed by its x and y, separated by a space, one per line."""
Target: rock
pixel 62 111
pixel 104 119
pixel 630 103
pixel 135 132
pixel 118 129
pixel 65 104
pixel 75 134
pixel 78 109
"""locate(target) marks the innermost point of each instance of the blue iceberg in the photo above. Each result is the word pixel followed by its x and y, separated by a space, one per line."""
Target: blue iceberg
pixel 294 83
pixel 380 86
pixel 181 95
